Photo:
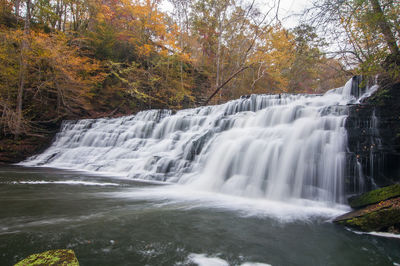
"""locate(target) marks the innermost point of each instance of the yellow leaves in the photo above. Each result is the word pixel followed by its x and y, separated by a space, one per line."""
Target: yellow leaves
pixel 276 56
pixel 145 50
pixel 139 23
pixel 164 52
pixel 57 79
pixel 185 57
pixel 104 13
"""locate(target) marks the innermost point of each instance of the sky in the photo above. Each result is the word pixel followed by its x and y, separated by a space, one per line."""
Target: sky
pixel 289 9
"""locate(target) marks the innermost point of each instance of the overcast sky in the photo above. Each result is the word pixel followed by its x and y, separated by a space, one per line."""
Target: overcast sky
pixel 289 9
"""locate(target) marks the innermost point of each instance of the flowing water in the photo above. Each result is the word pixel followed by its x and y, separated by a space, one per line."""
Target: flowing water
pixel 255 180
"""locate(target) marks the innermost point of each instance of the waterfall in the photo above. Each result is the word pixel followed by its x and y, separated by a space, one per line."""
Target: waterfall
pixel 262 146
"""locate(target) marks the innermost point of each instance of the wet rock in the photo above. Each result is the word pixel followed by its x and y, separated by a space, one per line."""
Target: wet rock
pixel 380 217
pixel 51 257
pixel 373 129
pixel 379 210
pixel 375 196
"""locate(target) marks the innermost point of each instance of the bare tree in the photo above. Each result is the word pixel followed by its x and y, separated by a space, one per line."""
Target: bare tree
pixel 362 33
pixel 248 22
pixel 385 28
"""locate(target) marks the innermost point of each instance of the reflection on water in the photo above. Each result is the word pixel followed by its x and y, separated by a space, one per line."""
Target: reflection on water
pixel 116 221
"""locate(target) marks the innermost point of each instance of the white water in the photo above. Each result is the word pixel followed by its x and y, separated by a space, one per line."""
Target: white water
pixel 184 198
pixel 276 147
pixel 66 182
pixel 204 260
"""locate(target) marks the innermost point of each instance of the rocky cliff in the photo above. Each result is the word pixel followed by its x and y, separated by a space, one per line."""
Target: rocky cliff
pixel 373 128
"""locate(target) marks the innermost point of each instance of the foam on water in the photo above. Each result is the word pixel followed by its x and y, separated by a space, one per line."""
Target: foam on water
pixel 182 197
pixel 66 182
pixel 204 260
pixel 381 234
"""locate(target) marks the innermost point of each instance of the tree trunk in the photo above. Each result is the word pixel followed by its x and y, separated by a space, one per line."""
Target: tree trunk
pixel 220 29
pixel 23 67
pixel 65 16
pixel 218 53
pixel 217 89
pixel 385 28
pixel 74 17
pixel 17 4
pixel 59 14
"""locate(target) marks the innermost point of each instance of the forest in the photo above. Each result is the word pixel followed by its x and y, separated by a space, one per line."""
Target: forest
pixel 70 59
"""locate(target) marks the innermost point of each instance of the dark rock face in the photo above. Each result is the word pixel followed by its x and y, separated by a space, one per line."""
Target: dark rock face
pixel 15 150
pixel 373 129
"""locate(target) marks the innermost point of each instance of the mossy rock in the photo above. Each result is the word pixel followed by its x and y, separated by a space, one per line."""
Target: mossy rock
pixel 380 97
pixel 51 257
pixel 375 196
pixel 381 217
pixel 381 221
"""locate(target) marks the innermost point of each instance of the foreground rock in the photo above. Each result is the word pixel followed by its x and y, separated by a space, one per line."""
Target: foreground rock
pixel 375 196
pixel 380 212
pixel 51 257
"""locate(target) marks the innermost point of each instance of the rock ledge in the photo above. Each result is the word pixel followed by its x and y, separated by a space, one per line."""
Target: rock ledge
pixel 381 211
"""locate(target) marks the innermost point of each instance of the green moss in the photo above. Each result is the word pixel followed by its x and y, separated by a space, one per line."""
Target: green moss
pixel 375 196
pixel 380 97
pixel 51 257
pixel 375 221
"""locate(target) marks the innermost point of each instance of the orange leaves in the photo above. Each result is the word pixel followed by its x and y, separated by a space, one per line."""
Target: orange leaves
pixel 145 50
pixel 185 57
pixel 57 81
pixel 141 45
pixel 275 57
pixel 139 23
pixel 58 68
pixel 105 13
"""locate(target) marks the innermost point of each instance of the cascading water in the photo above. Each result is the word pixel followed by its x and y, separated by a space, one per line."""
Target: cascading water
pixel 264 146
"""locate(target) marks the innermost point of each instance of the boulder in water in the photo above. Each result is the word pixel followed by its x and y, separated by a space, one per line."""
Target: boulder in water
pixel 380 212
pixel 375 196
pixel 51 257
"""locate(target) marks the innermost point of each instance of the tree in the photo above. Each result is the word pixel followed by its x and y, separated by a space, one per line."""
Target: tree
pixel 381 20
pixel 276 58
pixel 23 69
pixel 365 32
pixel 227 33
pixel 57 81
pixel 307 61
